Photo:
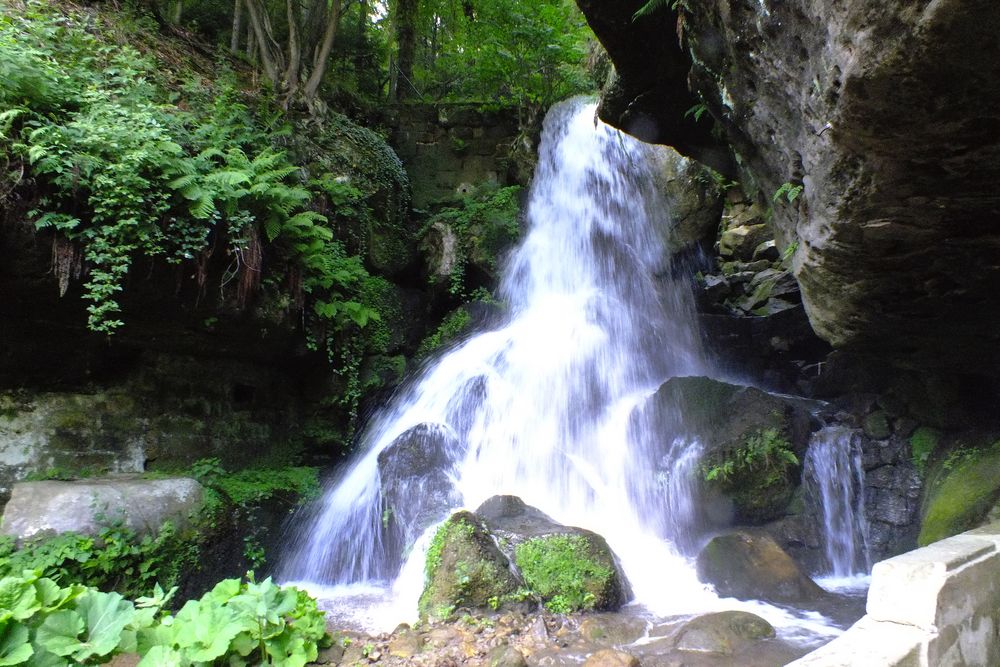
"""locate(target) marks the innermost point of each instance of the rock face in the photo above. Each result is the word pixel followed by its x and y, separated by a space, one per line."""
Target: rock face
pixel 44 509
pixel 417 488
pixel 753 567
pixel 877 111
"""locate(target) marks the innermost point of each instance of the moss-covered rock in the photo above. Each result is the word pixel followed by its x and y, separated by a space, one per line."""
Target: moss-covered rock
pixel 466 569
pixel 568 568
pixel 964 486
pixel 751 566
pixel 570 572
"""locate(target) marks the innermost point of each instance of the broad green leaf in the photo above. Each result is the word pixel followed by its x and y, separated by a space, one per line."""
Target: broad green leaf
pixel 18 599
pixel 15 648
pixel 163 656
pixel 204 630
pixel 59 633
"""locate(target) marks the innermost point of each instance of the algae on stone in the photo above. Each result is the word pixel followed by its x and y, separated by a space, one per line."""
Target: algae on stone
pixel 964 487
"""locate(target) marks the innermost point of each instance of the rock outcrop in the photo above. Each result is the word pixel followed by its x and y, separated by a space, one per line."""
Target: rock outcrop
pixel 881 117
pixel 44 509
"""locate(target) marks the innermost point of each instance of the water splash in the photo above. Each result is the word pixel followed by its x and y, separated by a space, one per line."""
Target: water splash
pixel 833 468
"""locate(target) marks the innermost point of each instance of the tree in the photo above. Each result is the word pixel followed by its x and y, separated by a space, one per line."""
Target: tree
pixel 406 12
pixel 296 64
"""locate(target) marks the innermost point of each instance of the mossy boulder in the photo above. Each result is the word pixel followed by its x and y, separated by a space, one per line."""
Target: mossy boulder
pixel 466 569
pixel 569 569
pixel 750 566
pixel 964 486
pixel 724 632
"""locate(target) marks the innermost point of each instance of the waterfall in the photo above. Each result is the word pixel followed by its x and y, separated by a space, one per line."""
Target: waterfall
pixel 545 406
pixel 833 469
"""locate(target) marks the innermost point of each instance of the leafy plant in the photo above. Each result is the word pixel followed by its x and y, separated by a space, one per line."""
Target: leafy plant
pixel 763 451
pixel 698 110
pixel 561 570
pixel 789 191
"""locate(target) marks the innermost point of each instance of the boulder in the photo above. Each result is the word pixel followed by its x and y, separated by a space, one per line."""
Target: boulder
pixel 505 655
pixel 612 629
pixel 750 566
pixel 728 421
pixel 724 632
pixel 570 569
pixel 44 509
pixel 741 241
pixel 416 481
pixel 465 569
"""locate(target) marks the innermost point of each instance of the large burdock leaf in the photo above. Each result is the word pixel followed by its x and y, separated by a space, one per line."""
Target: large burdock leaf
pixel 14 646
pixel 163 656
pixel 92 629
pixel 204 630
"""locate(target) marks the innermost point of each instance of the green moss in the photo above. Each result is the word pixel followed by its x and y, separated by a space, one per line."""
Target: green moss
pixel 464 568
pixel 454 325
pixel 964 487
pixel 923 442
pixel 250 487
pixel 565 572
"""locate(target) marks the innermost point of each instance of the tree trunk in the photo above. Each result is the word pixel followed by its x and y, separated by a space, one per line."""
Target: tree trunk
pixel 322 54
pixel 234 39
pixel 406 41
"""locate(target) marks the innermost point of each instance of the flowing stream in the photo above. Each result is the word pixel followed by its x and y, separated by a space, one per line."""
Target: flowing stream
pixel 544 406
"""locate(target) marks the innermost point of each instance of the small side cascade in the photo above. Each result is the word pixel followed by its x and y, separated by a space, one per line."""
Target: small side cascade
pixel 833 469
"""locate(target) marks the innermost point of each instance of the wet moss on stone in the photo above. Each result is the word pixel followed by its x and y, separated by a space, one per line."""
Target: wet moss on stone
pixel 567 573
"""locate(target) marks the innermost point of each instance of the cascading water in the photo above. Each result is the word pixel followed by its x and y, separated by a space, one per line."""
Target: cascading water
pixel 549 406
pixel 833 469
pixel 540 407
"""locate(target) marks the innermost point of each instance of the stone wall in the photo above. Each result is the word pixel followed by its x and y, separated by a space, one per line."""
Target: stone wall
pixel 447 147
pixel 933 607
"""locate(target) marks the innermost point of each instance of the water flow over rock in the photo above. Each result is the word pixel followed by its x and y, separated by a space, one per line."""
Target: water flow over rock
pixel 541 407
pixel 833 471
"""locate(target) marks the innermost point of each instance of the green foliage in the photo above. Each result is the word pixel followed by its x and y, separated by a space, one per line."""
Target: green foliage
pixel 561 571
pixel 251 487
pixel 447 532
pixel 766 453
pixel 42 623
pixel 923 442
pixel 115 560
pixel 502 53
pixel 454 325
pixel 698 110
pixel 486 223
pixel 169 185
pixel 789 191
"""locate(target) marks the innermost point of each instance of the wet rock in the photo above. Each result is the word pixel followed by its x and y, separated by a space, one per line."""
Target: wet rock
pixel 877 425
pixel 569 568
pixel 405 644
pixel 728 421
pixel 417 489
pixel 611 658
pixel 724 632
pixel 44 509
pixel 694 198
pixel 612 629
pixel 751 566
pixel 505 656
pixel 465 569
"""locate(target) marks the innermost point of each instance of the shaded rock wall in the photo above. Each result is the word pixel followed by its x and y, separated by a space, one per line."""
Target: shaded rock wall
pixel 450 147
pixel 887 121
